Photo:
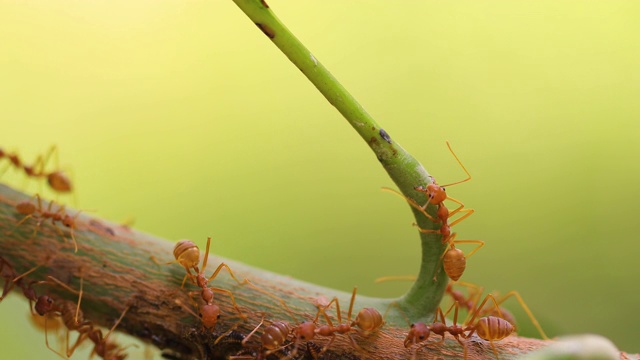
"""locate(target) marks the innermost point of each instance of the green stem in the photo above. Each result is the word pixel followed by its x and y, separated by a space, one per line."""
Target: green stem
pixel 423 298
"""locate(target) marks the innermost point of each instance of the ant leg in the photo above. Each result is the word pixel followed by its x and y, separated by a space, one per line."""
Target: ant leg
pixel 479 242
pixel 467 213
pixel 463 168
pixel 479 309
pixel 526 309
pixel 394 278
pixel 72 291
pixel 233 300
pixel 395 304
pixel 353 298
pixel 219 268
pixel 338 311
pixel 427 231
pixel 117 323
pixel 244 341
pixel 46 340
pixel 411 202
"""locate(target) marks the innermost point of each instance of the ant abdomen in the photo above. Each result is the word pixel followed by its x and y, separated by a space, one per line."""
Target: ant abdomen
pixel 368 320
pixel 454 263
pixel 187 254
pixel 59 182
pixel 275 335
pixel 493 328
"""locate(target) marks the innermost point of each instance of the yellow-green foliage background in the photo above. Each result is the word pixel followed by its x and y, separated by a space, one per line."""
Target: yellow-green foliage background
pixel 182 115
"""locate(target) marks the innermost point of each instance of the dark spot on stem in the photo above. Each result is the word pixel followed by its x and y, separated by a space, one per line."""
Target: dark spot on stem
pixel 266 30
pixel 385 136
pixel 264 3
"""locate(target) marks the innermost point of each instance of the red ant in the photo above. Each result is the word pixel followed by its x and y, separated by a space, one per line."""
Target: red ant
pixel 57 180
pixel 491 328
pixel 72 317
pixel 469 302
pixel 368 320
pixel 420 332
pixel 272 339
pixel 30 210
pixel 436 194
pixel 453 260
pixel 186 253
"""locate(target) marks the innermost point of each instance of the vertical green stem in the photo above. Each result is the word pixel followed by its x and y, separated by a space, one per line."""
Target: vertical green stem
pixel 423 298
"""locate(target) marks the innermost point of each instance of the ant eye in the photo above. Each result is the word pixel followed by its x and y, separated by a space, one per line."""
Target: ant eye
pixel 421 337
pixel 218 317
pixel 200 314
pixel 412 325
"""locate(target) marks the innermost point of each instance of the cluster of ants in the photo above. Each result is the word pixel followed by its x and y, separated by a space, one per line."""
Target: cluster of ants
pixel 494 323
pixel 280 338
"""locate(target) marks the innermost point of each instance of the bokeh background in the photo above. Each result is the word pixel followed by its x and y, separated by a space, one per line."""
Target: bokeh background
pixel 184 117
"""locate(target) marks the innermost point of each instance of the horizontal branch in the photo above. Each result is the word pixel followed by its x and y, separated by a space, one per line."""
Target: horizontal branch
pixel 118 271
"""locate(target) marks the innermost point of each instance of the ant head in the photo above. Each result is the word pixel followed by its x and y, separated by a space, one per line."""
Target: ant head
pixel 419 332
pixel 44 305
pixel 26 207
pixel 59 182
pixel 210 315
pixel 69 221
pixel 306 331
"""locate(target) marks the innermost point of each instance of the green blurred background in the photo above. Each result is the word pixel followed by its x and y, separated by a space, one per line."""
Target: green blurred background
pixel 182 115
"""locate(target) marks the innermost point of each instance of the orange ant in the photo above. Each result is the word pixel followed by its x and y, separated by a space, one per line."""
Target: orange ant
pixel 420 332
pixel 57 180
pixel 453 260
pixel 469 302
pixel 186 253
pixel 72 317
pixel 442 215
pixel 30 210
pixel 492 328
pixel 367 320
pixel 272 339
pixel 436 194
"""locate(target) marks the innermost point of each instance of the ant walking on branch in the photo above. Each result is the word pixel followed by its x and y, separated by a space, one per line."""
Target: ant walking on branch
pixel 30 210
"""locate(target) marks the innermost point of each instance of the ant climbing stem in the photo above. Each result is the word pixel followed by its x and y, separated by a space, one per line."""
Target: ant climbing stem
pixel 443 213
pixel 30 210
pixel 453 259
pixel 436 194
